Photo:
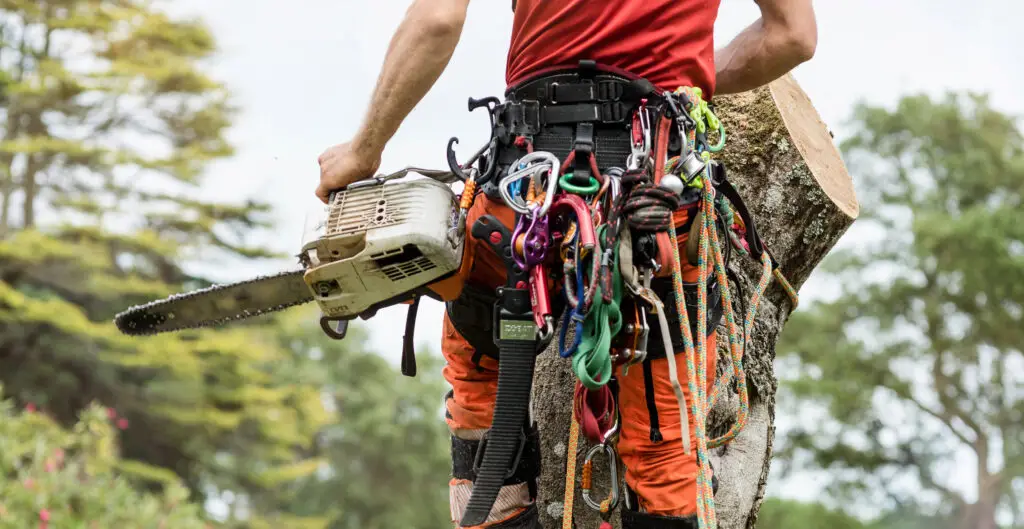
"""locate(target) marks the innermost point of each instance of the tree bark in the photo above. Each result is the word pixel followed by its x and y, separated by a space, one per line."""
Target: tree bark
pixel 781 158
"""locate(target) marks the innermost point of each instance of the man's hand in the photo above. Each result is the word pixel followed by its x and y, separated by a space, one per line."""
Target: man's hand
pixel 419 52
pixel 342 165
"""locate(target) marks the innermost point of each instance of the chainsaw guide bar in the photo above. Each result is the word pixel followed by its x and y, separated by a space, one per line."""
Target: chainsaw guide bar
pixel 216 305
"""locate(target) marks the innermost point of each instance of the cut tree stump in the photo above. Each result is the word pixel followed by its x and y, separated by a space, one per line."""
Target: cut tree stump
pixel 782 159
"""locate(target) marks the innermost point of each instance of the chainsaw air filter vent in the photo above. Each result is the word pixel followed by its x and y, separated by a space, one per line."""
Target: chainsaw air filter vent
pixel 364 208
pixel 403 263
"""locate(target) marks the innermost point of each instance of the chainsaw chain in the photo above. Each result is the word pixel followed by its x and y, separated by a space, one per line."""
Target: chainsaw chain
pixel 138 321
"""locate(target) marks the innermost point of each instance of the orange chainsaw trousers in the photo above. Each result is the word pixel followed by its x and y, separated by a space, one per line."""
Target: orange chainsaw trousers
pixel 662 476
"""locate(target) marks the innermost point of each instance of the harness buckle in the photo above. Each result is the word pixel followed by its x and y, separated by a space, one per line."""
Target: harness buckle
pixel 511 469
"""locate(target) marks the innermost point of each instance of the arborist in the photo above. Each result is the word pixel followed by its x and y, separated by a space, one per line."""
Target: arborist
pixel 593 89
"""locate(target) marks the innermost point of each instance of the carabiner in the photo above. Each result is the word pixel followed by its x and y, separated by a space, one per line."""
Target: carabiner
pixel 551 167
pixel 612 500
pixel 640 146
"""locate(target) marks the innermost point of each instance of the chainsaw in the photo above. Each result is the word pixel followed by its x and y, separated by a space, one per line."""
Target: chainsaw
pixel 383 241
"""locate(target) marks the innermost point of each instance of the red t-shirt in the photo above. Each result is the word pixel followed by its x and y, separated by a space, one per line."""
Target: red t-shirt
pixel 668 42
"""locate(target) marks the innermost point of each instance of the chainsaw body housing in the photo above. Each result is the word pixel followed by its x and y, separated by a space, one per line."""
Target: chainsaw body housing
pixel 381 240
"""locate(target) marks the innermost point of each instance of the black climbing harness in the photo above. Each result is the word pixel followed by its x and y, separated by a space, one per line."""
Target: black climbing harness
pixel 595 165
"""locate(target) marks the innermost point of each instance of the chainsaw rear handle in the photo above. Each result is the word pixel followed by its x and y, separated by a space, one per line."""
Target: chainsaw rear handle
pixel 372 181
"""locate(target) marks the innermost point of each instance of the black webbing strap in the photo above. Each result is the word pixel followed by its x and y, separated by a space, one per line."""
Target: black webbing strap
pixel 662 286
pixel 723 184
pixel 515 378
pixel 583 150
pixel 515 333
pixel 528 118
pixel 408 346
pixel 642 520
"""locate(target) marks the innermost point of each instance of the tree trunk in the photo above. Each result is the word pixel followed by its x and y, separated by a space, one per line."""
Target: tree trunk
pixel 30 190
pixel 781 158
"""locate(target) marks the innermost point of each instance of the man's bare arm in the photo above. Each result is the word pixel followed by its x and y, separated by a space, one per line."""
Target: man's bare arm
pixel 418 54
pixel 785 36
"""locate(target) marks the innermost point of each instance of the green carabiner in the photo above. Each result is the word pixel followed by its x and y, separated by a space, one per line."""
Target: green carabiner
pixel 721 139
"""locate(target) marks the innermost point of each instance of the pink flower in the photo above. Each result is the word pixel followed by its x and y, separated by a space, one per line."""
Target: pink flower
pixel 31 408
pixel 50 465
pixel 111 413
pixel 44 515
pixel 122 423
pixel 29 483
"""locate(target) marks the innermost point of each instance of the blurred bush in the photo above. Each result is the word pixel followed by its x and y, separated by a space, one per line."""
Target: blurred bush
pixel 55 478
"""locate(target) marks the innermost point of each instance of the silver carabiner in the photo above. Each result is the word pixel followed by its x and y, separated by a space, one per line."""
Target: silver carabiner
pixel 613 492
pixel 641 151
pixel 552 167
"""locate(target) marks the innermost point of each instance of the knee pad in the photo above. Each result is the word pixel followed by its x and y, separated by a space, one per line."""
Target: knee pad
pixel 528 519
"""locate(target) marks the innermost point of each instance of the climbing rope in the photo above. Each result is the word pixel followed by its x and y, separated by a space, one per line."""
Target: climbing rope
pixel 696 356
pixel 570 473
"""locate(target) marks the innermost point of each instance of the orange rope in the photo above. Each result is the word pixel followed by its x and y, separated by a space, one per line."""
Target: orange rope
pixel 570 473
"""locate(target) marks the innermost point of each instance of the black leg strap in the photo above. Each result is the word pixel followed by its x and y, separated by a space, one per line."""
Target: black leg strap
pixel 515 334
pixel 515 377
pixel 663 288
pixel 471 315
pixel 642 520
pixel 467 457
pixel 408 347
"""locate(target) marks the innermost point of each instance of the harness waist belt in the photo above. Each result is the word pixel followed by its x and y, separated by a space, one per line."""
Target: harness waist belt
pixel 576 96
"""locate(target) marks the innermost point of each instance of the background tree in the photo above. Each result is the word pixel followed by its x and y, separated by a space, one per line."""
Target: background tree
pixel 919 359
pixel 779 513
pixel 387 447
pixel 108 123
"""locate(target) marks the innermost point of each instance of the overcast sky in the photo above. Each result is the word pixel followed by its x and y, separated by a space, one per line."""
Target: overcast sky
pixel 303 70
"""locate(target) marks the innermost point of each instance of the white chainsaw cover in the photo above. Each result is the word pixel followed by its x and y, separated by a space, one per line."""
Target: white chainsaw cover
pixel 380 240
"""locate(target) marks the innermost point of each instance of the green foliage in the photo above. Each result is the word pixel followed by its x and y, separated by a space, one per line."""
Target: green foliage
pixel 56 478
pixel 388 450
pixel 919 359
pixel 777 513
pixel 109 124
